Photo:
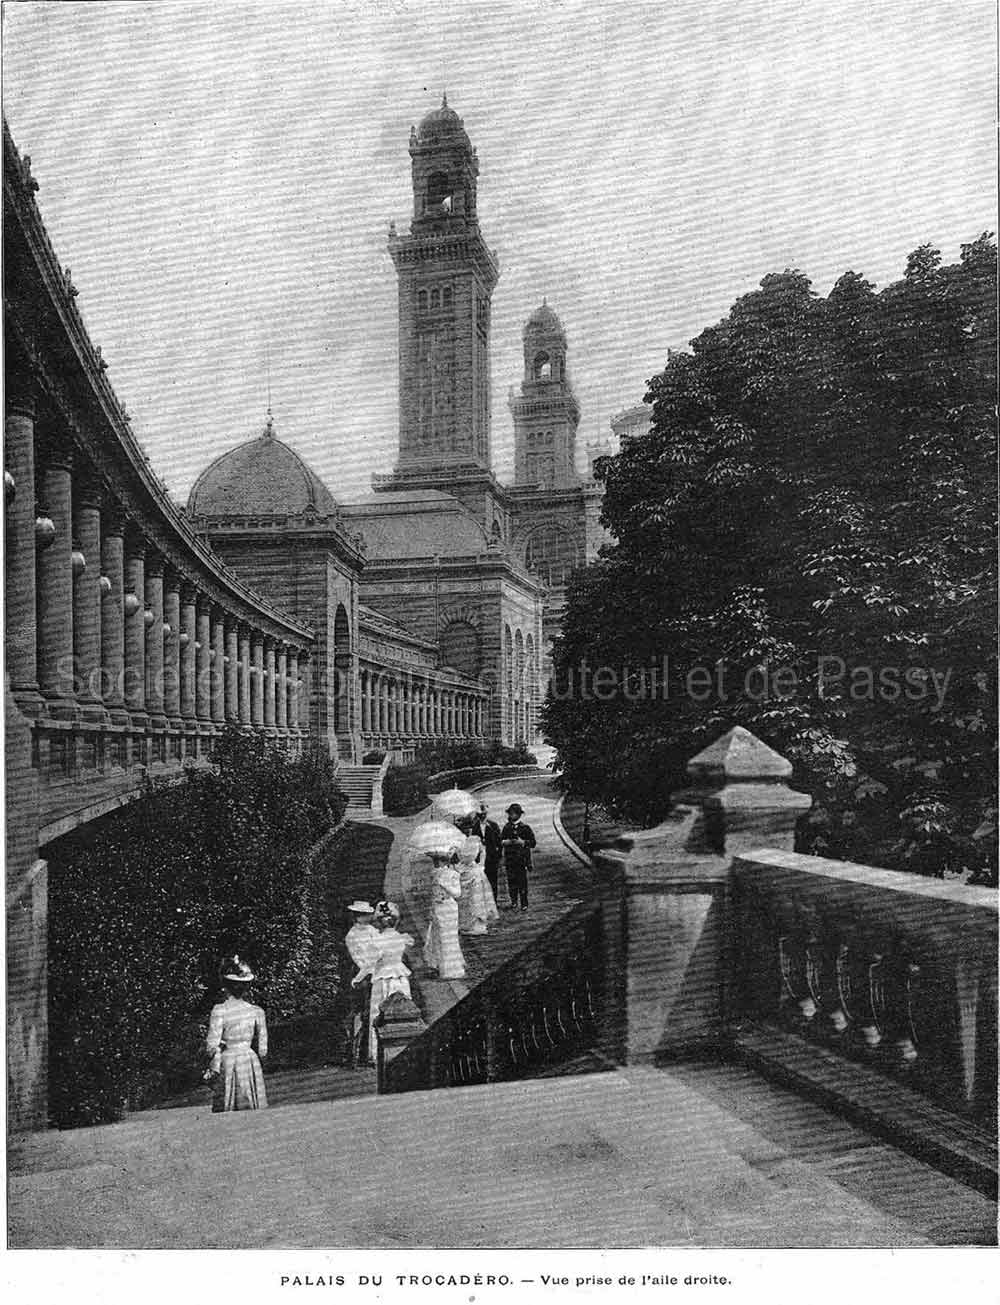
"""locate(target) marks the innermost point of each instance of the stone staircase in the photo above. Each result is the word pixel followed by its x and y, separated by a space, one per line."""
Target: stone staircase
pixel 358 784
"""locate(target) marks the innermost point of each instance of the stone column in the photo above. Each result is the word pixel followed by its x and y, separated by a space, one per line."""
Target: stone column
pixel 281 690
pixel 203 661
pixel 232 671
pixel 154 639
pixel 172 648
pixel 668 933
pixel 188 661
pixel 380 704
pixel 113 611
pixel 54 577
pixel 365 710
pixel 217 658
pixel 244 690
pixel 87 592
pixel 257 679
pixel 135 626
pixel 269 694
pixel 21 624
pixel 293 689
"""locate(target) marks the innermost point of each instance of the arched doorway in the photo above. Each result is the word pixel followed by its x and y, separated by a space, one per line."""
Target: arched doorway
pixel 343 681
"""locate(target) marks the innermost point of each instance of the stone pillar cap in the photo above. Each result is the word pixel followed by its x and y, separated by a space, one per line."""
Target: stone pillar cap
pixel 739 757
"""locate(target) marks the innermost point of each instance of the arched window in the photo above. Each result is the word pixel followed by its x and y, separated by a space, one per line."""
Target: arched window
pixel 435 298
pixel 541 369
pixel 439 189
pixel 459 647
pixel 422 301
pixel 551 554
pixel 446 297
pixel 508 657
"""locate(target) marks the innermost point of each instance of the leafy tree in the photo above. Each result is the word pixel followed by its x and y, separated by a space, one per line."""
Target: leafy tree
pixel 808 531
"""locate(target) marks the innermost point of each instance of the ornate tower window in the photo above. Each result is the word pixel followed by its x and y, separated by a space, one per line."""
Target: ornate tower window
pixel 542 367
pixel 439 192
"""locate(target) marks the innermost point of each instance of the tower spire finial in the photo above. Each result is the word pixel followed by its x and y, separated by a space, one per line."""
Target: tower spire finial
pixel 444 99
pixel 269 424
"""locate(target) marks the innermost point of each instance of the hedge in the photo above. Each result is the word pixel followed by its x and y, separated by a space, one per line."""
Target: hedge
pixel 143 905
pixel 405 789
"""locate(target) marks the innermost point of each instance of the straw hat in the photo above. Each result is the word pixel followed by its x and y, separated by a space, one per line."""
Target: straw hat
pixel 234 970
pixel 362 908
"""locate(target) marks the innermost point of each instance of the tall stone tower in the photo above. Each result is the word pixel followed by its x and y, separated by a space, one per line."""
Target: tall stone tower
pixel 546 413
pixel 446 279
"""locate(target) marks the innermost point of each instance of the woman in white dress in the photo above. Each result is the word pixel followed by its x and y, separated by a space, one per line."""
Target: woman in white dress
pixel 441 948
pixel 387 970
pixel 477 905
pixel 236 1043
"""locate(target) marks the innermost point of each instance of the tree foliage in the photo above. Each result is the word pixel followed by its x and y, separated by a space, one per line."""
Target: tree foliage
pixel 816 491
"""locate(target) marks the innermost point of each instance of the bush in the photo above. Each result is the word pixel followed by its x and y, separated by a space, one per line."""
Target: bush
pixel 404 790
pixel 144 904
pixel 373 758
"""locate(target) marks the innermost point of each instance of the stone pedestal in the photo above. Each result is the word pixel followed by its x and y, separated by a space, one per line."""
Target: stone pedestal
pixel 668 924
pixel 396 1025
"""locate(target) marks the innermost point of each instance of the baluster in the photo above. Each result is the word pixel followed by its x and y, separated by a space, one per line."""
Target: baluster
pixel 559 1021
pixel 873 1002
pixel 792 962
pixel 545 1025
pixel 902 978
pixel 589 997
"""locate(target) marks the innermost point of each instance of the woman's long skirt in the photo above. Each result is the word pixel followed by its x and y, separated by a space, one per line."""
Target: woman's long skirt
pixel 441 949
pixel 240 1085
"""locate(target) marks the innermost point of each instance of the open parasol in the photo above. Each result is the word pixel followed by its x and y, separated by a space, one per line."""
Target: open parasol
pixel 455 802
pixel 436 838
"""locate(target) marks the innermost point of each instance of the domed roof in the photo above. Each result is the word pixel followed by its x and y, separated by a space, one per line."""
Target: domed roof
pixel 261 478
pixel 543 321
pixel 441 123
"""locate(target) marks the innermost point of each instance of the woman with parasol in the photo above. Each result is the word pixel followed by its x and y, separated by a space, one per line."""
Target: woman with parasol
pixel 440 842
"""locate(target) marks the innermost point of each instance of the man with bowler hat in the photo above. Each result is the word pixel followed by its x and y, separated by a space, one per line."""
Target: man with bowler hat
pixel 489 831
pixel 517 840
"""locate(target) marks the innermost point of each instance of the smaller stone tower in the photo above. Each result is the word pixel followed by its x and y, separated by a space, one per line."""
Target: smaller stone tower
pixel 546 412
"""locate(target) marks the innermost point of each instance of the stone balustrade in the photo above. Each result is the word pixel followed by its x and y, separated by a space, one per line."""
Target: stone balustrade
pixel 892 970
pixel 873 990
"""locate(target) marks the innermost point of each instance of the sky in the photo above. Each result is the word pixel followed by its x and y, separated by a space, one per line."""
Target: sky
pixel 220 179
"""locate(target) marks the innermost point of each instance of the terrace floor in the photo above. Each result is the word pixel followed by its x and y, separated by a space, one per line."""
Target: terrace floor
pixel 697 1155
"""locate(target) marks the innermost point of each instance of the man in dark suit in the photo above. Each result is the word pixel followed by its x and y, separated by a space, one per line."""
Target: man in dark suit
pixel 489 832
pixel 517 840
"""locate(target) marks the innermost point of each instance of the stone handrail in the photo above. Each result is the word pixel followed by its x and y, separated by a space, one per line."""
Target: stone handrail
pixel 464 776
pixel 378 782
pixel 894 970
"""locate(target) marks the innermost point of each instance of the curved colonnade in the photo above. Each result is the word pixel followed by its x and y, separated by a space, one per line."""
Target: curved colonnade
pixel 130 645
